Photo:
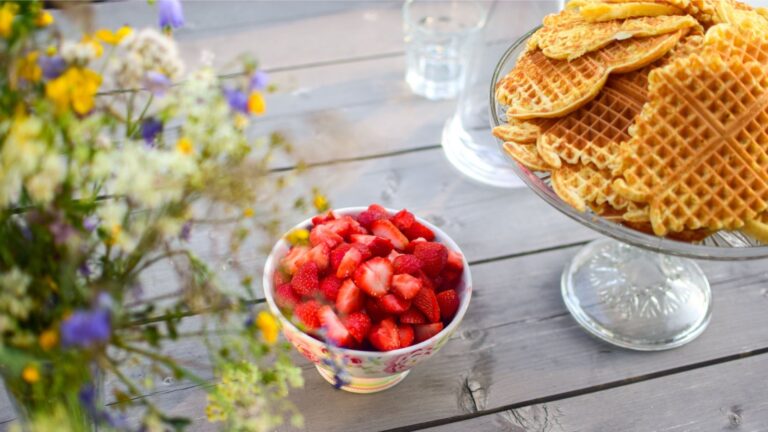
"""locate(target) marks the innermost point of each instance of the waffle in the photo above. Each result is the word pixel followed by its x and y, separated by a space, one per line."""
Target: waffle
pixel 539 86
pixel 598 11
pixel 567 36
pixel 592 134
pixel 698 152
pixel 526 155
pixel 582 185
pixel 522 132
pixel 757 227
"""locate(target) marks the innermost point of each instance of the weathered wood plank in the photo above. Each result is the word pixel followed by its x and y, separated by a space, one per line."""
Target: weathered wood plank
pixel 727 396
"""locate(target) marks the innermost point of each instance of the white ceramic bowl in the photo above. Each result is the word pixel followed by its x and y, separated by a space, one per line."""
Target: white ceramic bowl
pixel 364 371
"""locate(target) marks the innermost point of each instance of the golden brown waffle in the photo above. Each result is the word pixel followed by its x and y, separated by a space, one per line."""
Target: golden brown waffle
pixel 592 134
pixel 698 154
pixel 567 36
pixel 539 86
pixel 519 131
pixel 526 155
pixel 581 185
pixel 757 227
pixel 596 11
pixel 702 10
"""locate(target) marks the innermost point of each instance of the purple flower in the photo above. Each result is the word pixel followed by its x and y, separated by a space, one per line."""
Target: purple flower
pixel 85 328
pixel 238 100
pixel 259 80
pixel 52 66
pixel 88 398
pixel 61 230
pixel 157 83
pixel 150 127
pixel 84 269
pixel 170 13
pixel 90 223
pixel 186 230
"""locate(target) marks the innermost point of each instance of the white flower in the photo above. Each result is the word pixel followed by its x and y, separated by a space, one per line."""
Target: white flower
pixel 77 52
pixel 43 184
pixel 145 51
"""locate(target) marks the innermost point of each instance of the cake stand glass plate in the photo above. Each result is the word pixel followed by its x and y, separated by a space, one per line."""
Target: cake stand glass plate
pixel 634 290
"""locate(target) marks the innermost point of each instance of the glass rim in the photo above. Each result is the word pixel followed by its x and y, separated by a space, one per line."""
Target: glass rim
pixel 478 25
pixel 597 223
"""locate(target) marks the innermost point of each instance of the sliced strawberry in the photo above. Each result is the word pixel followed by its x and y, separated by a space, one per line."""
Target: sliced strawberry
pixel 393 304
pixel 393 255
pixel 405 332
pixel 426 302
pixel 413 243
pixel 280 277
pixel 406 286
pixel 386 229
pixel 285 297
pixel 350 298
pixel 306 280
pixel 426 282
pixel 455 261
pixel 364 251
pixel 375 311
pixel 385 335
pixel 412 316
pixel 433 257
pixel 324 234
pixel 418 230
pixel 307 314
pixel 423 332
pixel 324 217
pixel 329 286
pixel 290 262
pixel 335 332
pixel 403 219
pixel 319 254
pixel 378 246
pixel 337 254
pixel 373 213
pixel 406 263
pixel 449 303
pixel 354 225
pixel 349 263
pixel 374 276
pixel 358 324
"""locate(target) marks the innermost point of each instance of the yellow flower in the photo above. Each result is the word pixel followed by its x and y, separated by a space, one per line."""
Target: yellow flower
pixel 184 146
pixel 297 236
pixel 320 202
pixel 29 69
pixel 76 87
pixel 7 14
pixel 98 50
pixel 269 326
pixel 48 339
pixel 114 234
pixel 30 374
pixel 248 212
pixel 113 38
pixel 44 19
pixel 256 103
pixel 241 121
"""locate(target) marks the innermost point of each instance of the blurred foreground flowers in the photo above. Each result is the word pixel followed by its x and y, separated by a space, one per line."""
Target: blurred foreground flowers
pixel 108 171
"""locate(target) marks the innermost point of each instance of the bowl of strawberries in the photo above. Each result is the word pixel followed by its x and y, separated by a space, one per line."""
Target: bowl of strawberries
pixel 367 293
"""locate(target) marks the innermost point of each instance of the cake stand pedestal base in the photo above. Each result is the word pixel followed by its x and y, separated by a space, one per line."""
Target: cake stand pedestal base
pixel 634 298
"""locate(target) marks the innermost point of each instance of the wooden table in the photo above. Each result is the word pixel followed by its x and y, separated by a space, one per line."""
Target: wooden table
pixel 518 362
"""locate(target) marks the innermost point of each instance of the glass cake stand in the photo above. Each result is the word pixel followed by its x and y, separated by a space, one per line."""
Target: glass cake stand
pixel 634 290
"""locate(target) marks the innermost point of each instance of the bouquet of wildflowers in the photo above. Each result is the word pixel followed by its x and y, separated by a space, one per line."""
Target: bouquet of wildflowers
pixel 111 159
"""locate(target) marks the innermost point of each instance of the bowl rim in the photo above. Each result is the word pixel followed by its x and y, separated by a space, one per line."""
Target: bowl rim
pixel 268 288
pixel 595 222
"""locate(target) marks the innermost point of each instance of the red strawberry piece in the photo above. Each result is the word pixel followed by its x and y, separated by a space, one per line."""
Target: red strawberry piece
pixel 358 324
pixel 354 225
pixel 374 276
pixel 341 227
pixel 349 263
pixel 426 302
pixel 412 316
pixel 392 255
pixel 373 213
pixel 407 264
pixel 385 336
pixel 448 301
pixel 329 286
pixel 386 229
pixel 393 304
pixel 306 280
pixel 291 261
pixel 285 297
pixel 350 298
pixel 320 255
pixel 378 246
pixel 307 314
pixel 455 261
pixel 406 286
pixel 403 219
pixel 323 234
pixel 375 311
pixel 418 230
pixel 337 254
pixel 324 217
pixel 280 277
pixel 335 331
pixel 426 282
pixel 363 249
pixel 423 332
pixel 433 257
pixel 413 244
pixel 405 332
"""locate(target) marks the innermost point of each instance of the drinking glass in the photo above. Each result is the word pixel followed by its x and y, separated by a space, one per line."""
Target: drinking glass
pixel 440 37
